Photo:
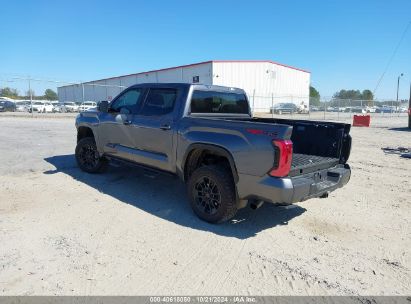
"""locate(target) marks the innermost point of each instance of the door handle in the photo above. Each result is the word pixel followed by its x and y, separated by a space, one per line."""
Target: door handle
pixel 165 127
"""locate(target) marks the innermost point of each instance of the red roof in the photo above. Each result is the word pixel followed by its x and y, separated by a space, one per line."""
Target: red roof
pixel 204 62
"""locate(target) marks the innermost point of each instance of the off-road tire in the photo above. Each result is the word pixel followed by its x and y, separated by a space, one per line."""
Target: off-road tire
pixel 223 180
pixel 88 158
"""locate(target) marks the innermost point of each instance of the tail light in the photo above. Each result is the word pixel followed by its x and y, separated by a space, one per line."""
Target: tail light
pixel 283 158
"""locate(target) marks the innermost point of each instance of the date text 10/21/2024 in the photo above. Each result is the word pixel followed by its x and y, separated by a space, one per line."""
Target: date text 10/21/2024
pixel 203 299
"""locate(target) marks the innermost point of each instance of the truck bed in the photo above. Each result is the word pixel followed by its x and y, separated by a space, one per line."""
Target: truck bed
pixel 317 145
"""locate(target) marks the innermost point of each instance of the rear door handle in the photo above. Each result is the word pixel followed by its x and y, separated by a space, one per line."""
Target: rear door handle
pixel 165 127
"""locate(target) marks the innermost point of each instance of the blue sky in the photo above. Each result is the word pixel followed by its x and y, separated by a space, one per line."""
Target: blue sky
pixel 345 44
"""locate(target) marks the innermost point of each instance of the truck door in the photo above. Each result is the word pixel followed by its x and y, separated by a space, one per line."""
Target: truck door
pixel 153 129
pixel 114 136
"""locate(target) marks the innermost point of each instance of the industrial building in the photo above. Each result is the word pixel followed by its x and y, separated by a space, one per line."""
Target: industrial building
pixel 266 82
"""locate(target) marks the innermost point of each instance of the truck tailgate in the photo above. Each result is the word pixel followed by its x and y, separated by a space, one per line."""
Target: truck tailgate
pixel 305 163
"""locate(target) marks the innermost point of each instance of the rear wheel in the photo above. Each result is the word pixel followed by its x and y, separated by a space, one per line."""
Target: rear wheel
pixel 211 192
pixel 88 158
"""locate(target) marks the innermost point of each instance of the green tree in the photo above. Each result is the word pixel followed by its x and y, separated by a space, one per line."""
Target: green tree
pixel 49 94
pixel 367 95
pixel 348 94
pixel 314 97
pixel 8 92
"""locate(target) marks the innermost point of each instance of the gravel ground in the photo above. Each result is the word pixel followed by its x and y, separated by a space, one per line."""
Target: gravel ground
pixel 65 232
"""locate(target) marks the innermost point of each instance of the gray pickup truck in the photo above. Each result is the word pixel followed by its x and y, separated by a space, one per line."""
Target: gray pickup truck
pixel 206 135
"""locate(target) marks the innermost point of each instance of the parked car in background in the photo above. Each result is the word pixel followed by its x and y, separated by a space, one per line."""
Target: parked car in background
pixel 22 106
pixel 386 109
pixel 6 105
pixel 59 108
pixel 87 105
pixel 41 107
pixel 358 110
pixel 355 110
pixel 371 109
pixel 71 106
pixel 283 108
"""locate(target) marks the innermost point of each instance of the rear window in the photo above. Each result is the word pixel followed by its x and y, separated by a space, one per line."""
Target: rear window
pixel 218 102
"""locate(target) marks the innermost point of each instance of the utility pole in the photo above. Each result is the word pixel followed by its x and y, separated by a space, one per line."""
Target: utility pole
pixel 398 85
pixel 82 92
pixel 409 109
pixel 31 97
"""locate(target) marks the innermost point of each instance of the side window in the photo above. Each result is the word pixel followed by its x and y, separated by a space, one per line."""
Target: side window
pixel 159 102
pixel 218 102
pixel 129 100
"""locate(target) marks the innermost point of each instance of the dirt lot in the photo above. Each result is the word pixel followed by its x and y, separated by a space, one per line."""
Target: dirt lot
pixel 66 232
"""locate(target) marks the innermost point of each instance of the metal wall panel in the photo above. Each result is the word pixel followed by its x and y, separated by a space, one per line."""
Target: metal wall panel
pixel 61 92
pixel 265 83
pixel 127 81
pixel 174 75
pixel 98 90
pixel 113 88
pixel 147 77
pixel 203 71
pixel 74 93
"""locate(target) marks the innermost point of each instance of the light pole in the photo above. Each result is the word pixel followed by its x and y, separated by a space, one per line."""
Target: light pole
pixel 398 84
pixel 31 97
pixel 409 109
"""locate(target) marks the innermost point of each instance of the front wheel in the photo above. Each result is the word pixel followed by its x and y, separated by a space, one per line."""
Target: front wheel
pixel 211 192
pixel 88 158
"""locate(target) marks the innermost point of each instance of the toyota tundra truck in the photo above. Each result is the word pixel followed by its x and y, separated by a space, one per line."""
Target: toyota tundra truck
pixel 206 135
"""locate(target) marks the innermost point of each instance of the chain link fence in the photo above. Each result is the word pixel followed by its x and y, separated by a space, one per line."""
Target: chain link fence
pixel 292 107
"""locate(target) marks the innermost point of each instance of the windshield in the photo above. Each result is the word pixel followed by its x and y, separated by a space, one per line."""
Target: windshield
pixel 219 102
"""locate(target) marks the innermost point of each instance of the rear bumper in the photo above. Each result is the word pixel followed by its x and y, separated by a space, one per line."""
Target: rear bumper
pixel 295 189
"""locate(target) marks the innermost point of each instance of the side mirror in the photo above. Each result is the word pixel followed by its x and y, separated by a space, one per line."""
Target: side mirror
pixel 103 106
